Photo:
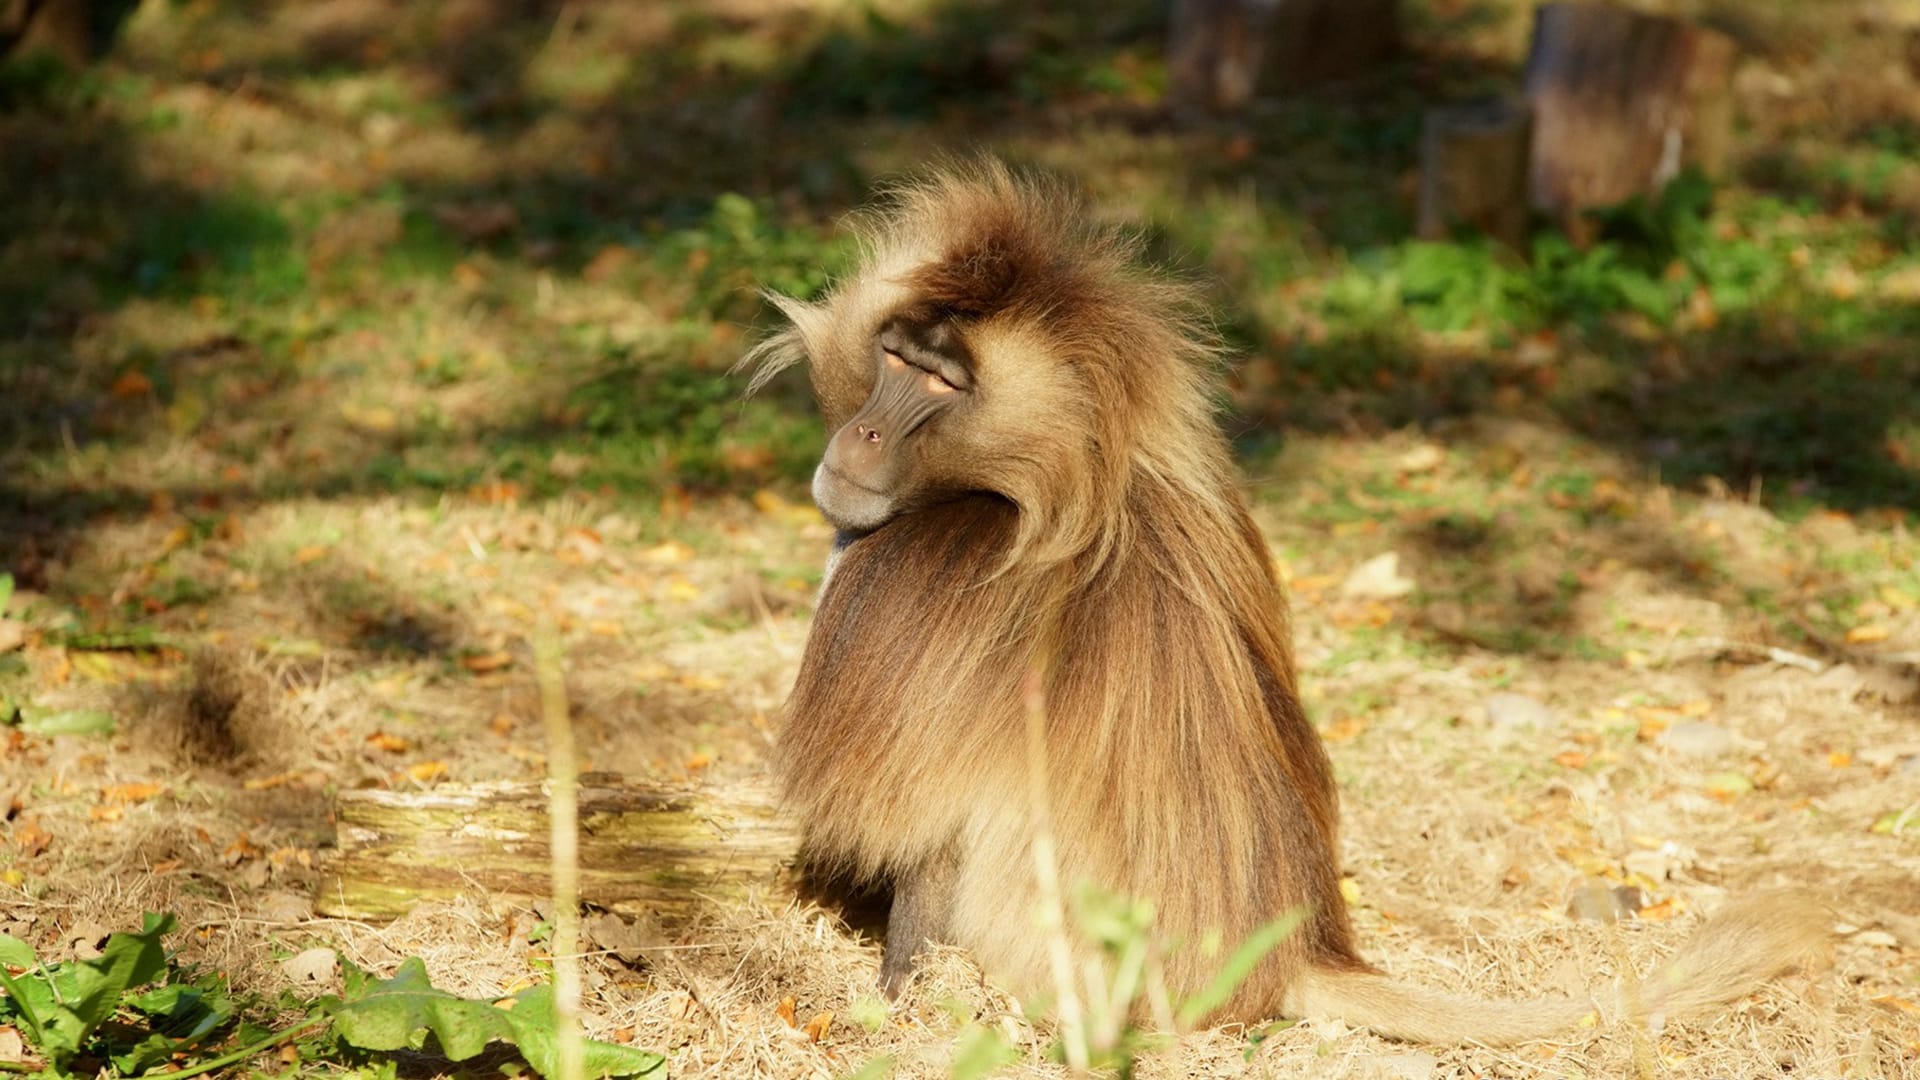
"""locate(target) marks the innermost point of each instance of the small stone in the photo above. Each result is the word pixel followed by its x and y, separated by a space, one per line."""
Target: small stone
pixel 1597 903
pixel 1660 864
pixel 1697 739
pixel 1878 939
pixel 1510 713
pixel 1378 578
pixel 314 967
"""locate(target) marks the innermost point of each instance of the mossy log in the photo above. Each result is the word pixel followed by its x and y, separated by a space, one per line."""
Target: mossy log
pixel 645 849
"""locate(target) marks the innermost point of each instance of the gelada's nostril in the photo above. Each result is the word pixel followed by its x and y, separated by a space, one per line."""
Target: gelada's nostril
pixel 871 434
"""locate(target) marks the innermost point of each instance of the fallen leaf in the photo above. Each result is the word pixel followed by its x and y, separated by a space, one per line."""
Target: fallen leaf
pixel 1868 634
pixel 682 590
pixel 106 813
pixel 392 744
pixel 818 1027
pixel 1839 759
pixel 1343 729
pixel 1660 912
pixel 501 724
pixel 496 492
pixel 427 771
pixel 1423 458
pixel 268 783
pixel 698 762
pixel 1728 786
pixel 481 663
pixel 30 838
pixel 131 793
pixel 131 384
pixel 1572 759
pixel 1378 578
pixel 785 1011
pixel 672 551
pixel 605 263
pixel 310 553
pixel 239 850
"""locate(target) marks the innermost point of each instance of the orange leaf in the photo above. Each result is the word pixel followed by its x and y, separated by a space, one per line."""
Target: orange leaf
pixel 241 848
pixel 1867 634
pixel 673 551
pixel 698 762
pixel 1572 759
pixel 1347 727
pixel 482 663
pixel 605 263
pixel 106 813
pixel 427 771
pixel 130 385
pixel 1839 759
pixel 268 783
pixel 818 1026
pixel 785 1011
pixel 501 724
pixel 30 838
pixel 131 793
pixel 392 744
pixel 310 553
pixel 499 491
pixel 166 867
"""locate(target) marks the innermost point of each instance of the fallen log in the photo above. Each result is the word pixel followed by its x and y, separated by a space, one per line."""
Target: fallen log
pixel 656 850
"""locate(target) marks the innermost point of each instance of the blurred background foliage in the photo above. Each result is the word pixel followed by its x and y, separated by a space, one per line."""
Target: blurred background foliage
pixel 261 249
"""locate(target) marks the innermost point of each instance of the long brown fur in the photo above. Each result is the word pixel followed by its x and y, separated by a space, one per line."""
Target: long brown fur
pixel 1089 524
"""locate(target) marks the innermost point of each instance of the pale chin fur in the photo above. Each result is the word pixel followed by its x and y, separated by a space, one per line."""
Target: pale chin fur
pixel 847 506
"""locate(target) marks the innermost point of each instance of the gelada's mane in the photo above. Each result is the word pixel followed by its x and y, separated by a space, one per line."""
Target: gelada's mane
pixel 1121 562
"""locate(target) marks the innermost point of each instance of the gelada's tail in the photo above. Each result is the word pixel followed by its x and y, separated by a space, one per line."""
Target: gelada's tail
pixel 1742 946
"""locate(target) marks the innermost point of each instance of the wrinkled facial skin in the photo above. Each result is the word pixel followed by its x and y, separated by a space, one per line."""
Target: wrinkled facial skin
pixel 873 469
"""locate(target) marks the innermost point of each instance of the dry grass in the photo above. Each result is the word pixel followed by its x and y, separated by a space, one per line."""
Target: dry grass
pixel 347 501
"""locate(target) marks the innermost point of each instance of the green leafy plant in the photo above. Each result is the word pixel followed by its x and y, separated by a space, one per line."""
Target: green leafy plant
pixel 129 1012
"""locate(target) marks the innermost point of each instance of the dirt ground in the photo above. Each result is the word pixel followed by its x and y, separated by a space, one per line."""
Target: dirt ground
pixel 345 345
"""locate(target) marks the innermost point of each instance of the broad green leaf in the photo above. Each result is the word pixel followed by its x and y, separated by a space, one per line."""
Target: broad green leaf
pixel 145 1054
pixel 16 953
pixel 6 592
pixel 91 990
pixel 38 721
pixel 533 1026
pixel 399 1013
pixel 30 997
pixel 1239 966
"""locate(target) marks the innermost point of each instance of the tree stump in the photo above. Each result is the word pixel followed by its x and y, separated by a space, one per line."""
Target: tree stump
pixel 1473 171
pixel 654 850
pixel 1219 51
pixel 1622 101
pixel 1319 41
pixel 1213 53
